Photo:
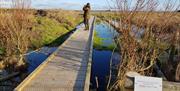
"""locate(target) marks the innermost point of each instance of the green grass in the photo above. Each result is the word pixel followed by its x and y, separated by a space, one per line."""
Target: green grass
pixel 53 28
pixel 97 41
pixel 60 39
pixel 50 30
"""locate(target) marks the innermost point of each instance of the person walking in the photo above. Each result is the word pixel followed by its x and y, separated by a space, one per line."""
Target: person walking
pixel 86 15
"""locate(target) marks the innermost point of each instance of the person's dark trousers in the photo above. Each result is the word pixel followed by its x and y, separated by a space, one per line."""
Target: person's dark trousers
pixel 86 22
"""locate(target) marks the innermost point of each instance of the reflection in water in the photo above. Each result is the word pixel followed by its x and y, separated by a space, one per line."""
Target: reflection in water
pixel 106 32
pixel 101 67
pixel 35 58
pixel 101 58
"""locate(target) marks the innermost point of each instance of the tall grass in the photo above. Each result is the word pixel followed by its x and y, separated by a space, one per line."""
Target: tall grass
pixel 15 34
pixel 22 29
pixel 160 32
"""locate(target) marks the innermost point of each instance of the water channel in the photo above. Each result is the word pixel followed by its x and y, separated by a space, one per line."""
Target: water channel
pixel 101 58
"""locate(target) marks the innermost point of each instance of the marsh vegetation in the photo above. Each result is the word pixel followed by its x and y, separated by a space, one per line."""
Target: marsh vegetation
pixel 23 29
pixel 147 38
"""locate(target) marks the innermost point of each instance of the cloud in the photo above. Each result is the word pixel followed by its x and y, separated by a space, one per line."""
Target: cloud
pixel 5 3
pixel 70 4
pixel 55 4
pixel 65 4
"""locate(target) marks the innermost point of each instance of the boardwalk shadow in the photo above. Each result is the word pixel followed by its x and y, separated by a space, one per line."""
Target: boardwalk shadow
pixel 75 59
pixel 72 57
pixel 82 74
pixel 60 40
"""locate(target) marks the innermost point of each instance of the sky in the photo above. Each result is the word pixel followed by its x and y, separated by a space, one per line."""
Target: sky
pixel 71 4
pixel 64 4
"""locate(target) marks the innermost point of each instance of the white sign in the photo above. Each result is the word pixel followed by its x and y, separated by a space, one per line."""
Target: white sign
pixel 143 83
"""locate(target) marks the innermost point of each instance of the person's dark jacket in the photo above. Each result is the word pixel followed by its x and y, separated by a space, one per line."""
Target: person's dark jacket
pixel 86 10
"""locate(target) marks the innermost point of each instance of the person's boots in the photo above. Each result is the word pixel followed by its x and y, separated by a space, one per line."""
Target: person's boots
pixel 86 28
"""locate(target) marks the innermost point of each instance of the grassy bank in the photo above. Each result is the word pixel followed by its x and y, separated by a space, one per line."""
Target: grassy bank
pixel 50 30
pixel 53 25
pixel 22 30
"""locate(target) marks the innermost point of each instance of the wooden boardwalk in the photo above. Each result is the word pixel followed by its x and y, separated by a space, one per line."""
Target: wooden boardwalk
pixel 67 69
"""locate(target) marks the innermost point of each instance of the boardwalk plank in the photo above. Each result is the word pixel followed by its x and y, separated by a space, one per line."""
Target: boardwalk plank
pixel 67 69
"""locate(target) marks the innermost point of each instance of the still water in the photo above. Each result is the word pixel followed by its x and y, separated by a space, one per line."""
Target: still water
pixel 35 58
pixel 101 58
